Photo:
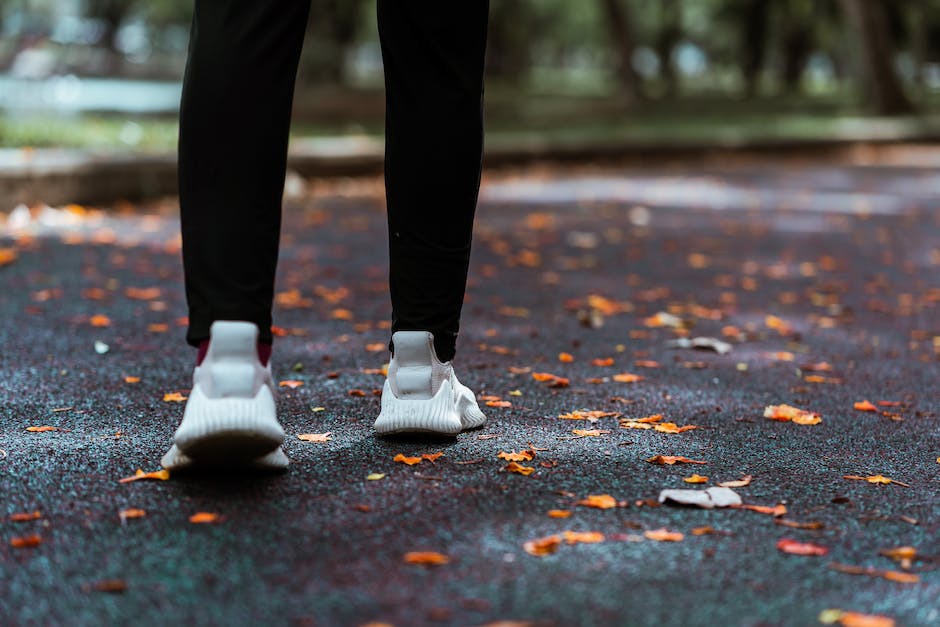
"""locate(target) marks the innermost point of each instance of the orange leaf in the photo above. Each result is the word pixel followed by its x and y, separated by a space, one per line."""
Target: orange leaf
pixel 696 479
pixel 599 501
pixel 646 363
pixel 899 577
pixel 880 479
pixel 411 461
pixel 671 427
pixel 146 293
pixel 744 481
pixel 703 531
pixel 559 513
pixel 603 362
pixel 519 469
pixel 786 413
pixel 664 535
pixel 565 358
pixel 521 456
pixel 23 542
pixel 583 537
pixel 426 558
pixel 865 406
pixel 200 518
pixel 25 516
pixel 589 415
pixel 124 514
pixel 788 545
pixel 626 377
pixel 314 437
pixel 776 510
pixel 542 546
pixel 159 475
pixel 356 392
pixel 590 433
pixel 669 460
pixel 499 404
pixel 100 320
pixel 7 256
pixel 342 314
pixel 292 384
pixel 857 619
pixel 174 397
pixel 42 429
pixel 131 379
pixel 432 456
pixel 554 381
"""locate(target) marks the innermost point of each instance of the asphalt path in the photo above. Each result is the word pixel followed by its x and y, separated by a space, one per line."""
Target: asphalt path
pixel 825 281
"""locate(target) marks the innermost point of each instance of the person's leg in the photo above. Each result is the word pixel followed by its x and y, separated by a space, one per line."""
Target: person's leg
pixel 433 54
pixel 234 121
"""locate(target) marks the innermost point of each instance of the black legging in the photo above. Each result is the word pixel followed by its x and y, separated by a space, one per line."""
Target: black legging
pixel 234 124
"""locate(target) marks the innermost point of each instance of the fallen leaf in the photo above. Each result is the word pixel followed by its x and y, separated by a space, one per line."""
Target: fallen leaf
pixel 7 256
pixel 131 379
pixel 599 501
pixel 356 392
pixel 740 483
pixel 124 514
pixel 905 555
pixel 291 383
pixel 701 343
pixel 174 397
pixel 703 531
pixel 646 363
pixel 696 479
pixel 626 377
pixel 159 475
pixel 565 358
pixel 426 558
pixel 109 585
pixel 589 415
pixel 100 320
pixel 499 404
pixel 879 479
pixel 603 362
pixel 402 459
pixel 521 456
pixel 664 535
pixel 582 537
pixel 200 518
pixel 890 575
pixel 814 525
pixel 554 381
pixel 784 413
pixel 775 511
pixel 25 516
pixel 590 433
pixel 559 513
pixel 375 476
pixel 854 619
pixel 865 406
pixel 42 429
pixel 315 437
pixel 670 460
pixel 146 293
pixel 794 547
pixel 25 542
pixel 542 546
pixel 671 427
pixel 519 469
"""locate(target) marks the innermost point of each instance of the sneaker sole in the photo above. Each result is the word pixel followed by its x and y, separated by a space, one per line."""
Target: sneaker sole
pixel 434 415
pixel 228 430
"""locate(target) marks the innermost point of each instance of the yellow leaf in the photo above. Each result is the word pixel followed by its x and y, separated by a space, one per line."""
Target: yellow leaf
pixel 521 456
pixel 158 475
pixel 542 546
pixel 174 397
pixel 519 469
pixel 696 479
pixel 375 476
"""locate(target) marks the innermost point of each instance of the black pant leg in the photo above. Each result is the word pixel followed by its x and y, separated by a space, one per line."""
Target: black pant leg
pixel 433 54
pixel 234 124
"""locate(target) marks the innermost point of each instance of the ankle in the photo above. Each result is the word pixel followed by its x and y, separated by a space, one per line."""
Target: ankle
pixel 264 352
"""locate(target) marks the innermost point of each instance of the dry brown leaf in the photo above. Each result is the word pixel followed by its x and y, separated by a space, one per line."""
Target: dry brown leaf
pixel 813 525
pixel 775 511
pixel 890 575
pixel 696 478
pixel 865 406
pixel 426 558
pixel 664 535
pixel 521 456
pixel 42 429
pixel 590 433
pixel 589 415
pixel 671 427
pixel 703 531
pixel 519 469
pixel 315 437
pixel 785 413
pixel 554 381
pixel 599 501
pixel 202 518
pixel 879 479
pixel 794 547
pixel 542 546
pixel 158 475
pixel 670 460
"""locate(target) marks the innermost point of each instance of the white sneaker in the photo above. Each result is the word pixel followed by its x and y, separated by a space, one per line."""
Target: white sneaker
pixel 230 417
pixel 423 395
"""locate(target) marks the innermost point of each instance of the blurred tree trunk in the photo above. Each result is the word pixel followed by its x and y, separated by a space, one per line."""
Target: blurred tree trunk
pixel 334 26
pixel 111 13
pixel 881 82
pixel 621 35
pixel 797 42
pixel 754 43
pixel 507 42
pixel 670 33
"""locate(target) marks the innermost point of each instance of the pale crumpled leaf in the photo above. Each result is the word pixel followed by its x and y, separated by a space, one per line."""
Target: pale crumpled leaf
pixel 701 343
pixel 707 499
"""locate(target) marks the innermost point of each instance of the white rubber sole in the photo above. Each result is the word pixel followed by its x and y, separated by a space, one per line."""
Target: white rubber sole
pixel 439 415
pixel 228 430
pixel 176 460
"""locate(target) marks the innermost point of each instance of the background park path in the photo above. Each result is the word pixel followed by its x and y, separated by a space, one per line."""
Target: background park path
pixel 825 280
